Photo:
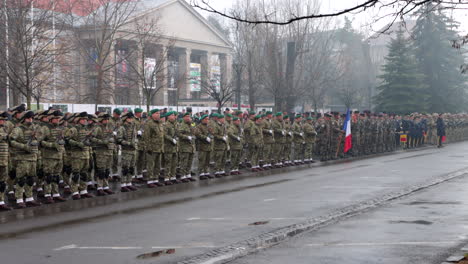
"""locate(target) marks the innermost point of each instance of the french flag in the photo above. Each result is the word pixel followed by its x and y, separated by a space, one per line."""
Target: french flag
pixel 347 127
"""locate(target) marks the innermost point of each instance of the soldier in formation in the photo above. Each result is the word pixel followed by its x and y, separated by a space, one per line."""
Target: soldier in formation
pixel 65 156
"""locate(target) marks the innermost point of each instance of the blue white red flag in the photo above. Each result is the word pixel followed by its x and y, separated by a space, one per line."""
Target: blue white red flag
pixel 347 128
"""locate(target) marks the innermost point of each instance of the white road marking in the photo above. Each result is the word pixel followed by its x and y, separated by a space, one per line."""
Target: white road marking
pixel 77 247
pixel 270 200
pixel 195 245
pixel 359 187
pixel 404 243
pixel 243 219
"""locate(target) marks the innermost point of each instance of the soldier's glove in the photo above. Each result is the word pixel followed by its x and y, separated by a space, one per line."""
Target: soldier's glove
pixel 271 132
pixel 115 133
pixel 238 139
pixel 208 139
pixel 139 133
pixel 87 142
pixel 301 134
pixel 224 139
pixel 61 142
pixel 290 134
pixel 189 138
pixel 282 132
pixel 174 141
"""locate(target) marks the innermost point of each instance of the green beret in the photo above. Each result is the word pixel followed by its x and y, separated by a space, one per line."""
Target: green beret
pixel 279 114
pixel 298 116
pixel 154 111
pixel 269 112
pixel 117 111
pixel 263 115
pixel 238 112
pixel 258 117
pixel 220 116
pixel 138 110
pixel 286 117
pixel 252 113
pixel 228 115
pixel 187 114
pixel 171 113
pixel 309 118
pixel 203 117
pixel 235 118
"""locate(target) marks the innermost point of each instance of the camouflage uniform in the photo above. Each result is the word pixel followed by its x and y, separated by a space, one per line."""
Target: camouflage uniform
pixel 25 145
pixel 235 143
pixel 298 141
pixel 287 142
pixel 170 151
pixel 77 138
pixel 3 160
pixel 220 147
pixel 104 145
pixel 185 132
pixel 310 134
pixel 203 144
pixel 268 141
pixel 153 136
pixel 141 152
pixel 52 148
pixel 127 139
pixel 280 140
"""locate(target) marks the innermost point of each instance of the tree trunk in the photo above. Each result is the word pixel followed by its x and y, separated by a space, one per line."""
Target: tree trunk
pixel 251 86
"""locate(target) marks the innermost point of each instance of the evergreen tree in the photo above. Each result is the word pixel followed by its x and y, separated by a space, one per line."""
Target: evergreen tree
pixel 402 88
pixel 440 63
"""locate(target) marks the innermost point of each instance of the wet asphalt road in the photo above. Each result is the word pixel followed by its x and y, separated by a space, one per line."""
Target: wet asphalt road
pixel 421 228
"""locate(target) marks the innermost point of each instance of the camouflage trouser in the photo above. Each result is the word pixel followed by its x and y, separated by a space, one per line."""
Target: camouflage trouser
pixel 298 151
pixel 186 160
pixel 52 170
pixel 128 167
pixel 277 153
pixel 254 152
pixel 67 170
pixel 308 150
pixel 267 153
pixel 154 160
pixel 140 161
pixel 3 185
pixel 11 171
pixel 203 162
pixel 103 164
pixel 235 159
pixel 25 179
pixel 79 176
pixel 220 160
pixel 287 151
pixel 115 160
pixel 170 165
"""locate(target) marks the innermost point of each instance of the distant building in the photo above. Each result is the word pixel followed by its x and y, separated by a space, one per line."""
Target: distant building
pixel 199 50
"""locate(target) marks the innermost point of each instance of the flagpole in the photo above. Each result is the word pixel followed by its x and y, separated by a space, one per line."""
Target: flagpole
pixel 7 55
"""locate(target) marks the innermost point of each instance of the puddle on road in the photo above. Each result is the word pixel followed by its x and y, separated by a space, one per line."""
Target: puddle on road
pixel 156 254
pixel 417 222
pixel 259 223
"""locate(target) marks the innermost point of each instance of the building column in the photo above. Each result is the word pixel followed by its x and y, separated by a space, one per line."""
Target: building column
pixel 205 71
pixel 183 83
pixel 161 96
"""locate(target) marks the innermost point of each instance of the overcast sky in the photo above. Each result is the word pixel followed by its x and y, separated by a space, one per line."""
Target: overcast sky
pixel 360 21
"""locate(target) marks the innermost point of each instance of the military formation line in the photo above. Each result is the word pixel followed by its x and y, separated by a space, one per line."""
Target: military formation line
pixel 59 156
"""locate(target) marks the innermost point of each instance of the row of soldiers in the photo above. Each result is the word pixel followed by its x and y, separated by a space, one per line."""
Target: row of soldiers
pixel 48 149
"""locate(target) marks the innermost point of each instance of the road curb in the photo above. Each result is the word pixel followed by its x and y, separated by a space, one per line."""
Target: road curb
pixel 240 249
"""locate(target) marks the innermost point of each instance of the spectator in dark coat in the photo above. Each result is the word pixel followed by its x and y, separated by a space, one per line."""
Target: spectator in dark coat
pixel 440 129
